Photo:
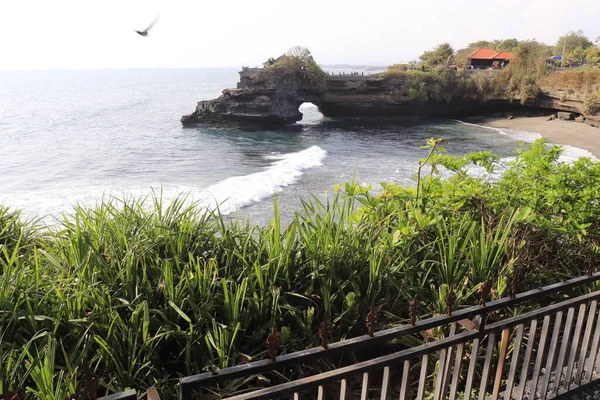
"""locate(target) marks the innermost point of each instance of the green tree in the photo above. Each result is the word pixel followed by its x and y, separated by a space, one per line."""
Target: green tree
pixel 592 55
pixel 570 41
pixel 492 44
pixel 440 55
pixel 507 45
pixel 576 55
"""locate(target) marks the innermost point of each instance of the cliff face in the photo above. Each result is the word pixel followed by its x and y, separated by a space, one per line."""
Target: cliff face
pixel 265 100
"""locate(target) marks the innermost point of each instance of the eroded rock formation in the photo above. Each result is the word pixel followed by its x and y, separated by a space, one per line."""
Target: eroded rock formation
pixel 265 99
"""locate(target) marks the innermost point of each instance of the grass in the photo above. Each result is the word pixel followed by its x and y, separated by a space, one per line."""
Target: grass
pixel 134 293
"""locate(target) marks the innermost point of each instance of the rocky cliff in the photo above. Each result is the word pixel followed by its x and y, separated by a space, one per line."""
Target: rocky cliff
pixel 263 98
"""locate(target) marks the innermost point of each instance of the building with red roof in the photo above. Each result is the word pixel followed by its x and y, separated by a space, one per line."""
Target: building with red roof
pixel 489 58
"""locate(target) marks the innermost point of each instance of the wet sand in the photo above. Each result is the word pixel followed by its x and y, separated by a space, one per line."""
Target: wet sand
pixel 558 132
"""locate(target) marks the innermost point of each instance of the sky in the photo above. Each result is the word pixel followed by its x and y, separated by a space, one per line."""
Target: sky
pixel 49 34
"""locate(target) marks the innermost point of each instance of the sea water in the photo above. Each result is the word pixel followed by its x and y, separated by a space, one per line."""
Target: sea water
pixel 84 136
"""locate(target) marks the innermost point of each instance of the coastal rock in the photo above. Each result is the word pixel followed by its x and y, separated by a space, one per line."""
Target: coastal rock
pixel 566 116
pixel 267 99
pixel 580 118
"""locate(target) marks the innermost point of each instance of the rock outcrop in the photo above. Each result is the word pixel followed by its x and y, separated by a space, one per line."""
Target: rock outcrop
pixel 265 99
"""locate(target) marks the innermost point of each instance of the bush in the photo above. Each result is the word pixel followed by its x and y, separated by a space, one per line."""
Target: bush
pixel 141 292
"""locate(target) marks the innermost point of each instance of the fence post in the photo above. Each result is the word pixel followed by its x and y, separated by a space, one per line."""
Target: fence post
pixel 501 360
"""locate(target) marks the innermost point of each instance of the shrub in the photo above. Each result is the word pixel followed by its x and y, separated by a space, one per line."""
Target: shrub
pixel 142 292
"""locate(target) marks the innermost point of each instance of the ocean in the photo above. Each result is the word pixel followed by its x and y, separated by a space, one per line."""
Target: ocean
pixel 83 136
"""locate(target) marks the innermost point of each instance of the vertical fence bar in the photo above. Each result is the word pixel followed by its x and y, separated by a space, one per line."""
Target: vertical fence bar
pixel 456 371
pixel 473 360
pixel 501 359
pixel 443 366
pixel 184 392
pixel 576 337
pixel 448 364
pixel 385 382
pixel 589 371
pixel 343 389
pixel 586 342
pixel 422 377
pixel 471 369
pixel 563 350
pixel 321 392
pixel 538 361
pixel 364 395
pixel 514 362
pixel 550 358
pixel 296 396
pixel 404 382
pixel 526 359
pixel 487 365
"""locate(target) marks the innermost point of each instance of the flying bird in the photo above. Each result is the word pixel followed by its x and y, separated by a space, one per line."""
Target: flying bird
pixel 145 32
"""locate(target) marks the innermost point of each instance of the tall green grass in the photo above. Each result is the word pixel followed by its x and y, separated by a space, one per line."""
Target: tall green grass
pixel 136 292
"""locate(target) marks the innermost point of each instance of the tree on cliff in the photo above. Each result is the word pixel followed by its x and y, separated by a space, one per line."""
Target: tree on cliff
pixel 592 55
pixel 440 55
pixel 527 68
pixel 484 43
pixel 297 58
pixel 507 45
pixel 577 55
pixel 570 41
pixel 299 65
pixel 496 44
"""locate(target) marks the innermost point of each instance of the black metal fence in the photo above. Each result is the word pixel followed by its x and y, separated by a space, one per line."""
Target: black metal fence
pixel 541 352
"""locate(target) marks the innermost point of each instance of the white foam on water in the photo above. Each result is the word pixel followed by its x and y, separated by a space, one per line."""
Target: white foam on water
pixel 240 191
pixel 229 195
pixel 569 153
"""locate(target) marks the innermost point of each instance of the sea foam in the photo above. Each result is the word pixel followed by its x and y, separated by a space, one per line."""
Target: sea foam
pixel 569 154
pixel 240 191
pixel 229 194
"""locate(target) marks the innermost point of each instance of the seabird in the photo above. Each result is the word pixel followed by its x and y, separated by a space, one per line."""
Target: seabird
pixel 145 32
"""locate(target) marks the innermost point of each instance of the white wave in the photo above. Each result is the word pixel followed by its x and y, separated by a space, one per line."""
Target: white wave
pixel 230 194
pixel 240 191
pixel 569 153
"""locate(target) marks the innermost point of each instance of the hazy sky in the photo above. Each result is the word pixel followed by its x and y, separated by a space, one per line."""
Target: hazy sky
pixel 205 33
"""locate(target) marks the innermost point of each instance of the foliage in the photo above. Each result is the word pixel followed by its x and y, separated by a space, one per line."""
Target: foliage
pixel 584 81
pixel 526 69
pixel 139 292
pixel 592 55
pixel 507 45
pixel 591 105
pixel 484 43
pixel 441 55
pixel 496 44
pixel 294 70
pixel 441 84
pixel 571 41
pixel 577 55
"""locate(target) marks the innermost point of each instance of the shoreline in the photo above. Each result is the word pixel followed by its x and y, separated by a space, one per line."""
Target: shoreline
pixel 556 131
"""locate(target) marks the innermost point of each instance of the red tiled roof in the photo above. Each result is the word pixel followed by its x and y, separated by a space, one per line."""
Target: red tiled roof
pixel 504 55
pixel 485 53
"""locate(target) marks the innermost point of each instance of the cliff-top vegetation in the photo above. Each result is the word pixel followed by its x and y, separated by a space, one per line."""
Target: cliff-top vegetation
pixel 520 80
pixel 294 69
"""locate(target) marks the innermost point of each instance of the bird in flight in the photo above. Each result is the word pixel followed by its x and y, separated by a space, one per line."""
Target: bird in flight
pixel 145 32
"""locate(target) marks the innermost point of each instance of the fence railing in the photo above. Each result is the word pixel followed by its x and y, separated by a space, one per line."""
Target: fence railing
pixel 550 347
pixel 512 357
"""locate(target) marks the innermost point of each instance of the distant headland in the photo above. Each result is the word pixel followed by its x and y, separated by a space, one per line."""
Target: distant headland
pixel 445 83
